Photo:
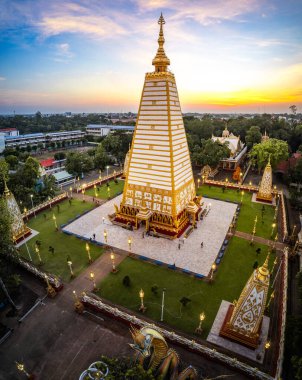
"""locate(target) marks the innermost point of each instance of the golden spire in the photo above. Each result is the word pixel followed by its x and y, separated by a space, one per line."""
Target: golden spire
pixel 6 189
pixel 161 61
pixel 263 271
pixel 269 160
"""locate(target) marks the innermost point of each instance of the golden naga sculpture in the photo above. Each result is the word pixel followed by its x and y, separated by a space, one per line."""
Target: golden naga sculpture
pixel 153 353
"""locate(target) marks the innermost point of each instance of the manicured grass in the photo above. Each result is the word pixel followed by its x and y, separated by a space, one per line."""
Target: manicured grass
pixel 248 211
pixel 115 188
pixel 230 278
pixel 63 244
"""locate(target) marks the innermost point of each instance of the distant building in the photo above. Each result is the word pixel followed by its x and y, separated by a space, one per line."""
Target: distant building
pixel 51 166
pixel 16 140
pixel 264 137
pixel 237 148
pixel 10 131
pixel 2 142
pixel 100 130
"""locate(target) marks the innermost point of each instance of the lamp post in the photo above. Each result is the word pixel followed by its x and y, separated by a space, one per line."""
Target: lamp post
pixel 70 189
pixel 274 264
pixel 242 194
pixel 130 242
pixel 112 257
pixel 210 204
pixel 88 252
pixel 32 203
pixel 95 193
pixel 240 177
pixel 92 278
pixel 25 213
pixel 198 183
pixel 162 305
pixel 55 221
pixel 83 194
pixel 105 236
pixel 38 254
pixel 142 307
pixel 78 305
pixel 254 229
pixel 267 345
pixel 276 213
pixel 203 178
pixel 107 168
pixel 250 184
pixel 69 263
pixel 108 191
pixel 293 232
pixel 21 368
pixel 226 183
pixel 213 268
pixel 273 228
pixel 49 200
pixel 199 329
pixel 29 255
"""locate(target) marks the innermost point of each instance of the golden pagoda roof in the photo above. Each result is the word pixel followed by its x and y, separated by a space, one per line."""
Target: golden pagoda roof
pixel 161 61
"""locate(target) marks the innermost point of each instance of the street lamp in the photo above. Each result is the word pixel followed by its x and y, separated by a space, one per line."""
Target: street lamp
pixel 70 189
pixel 105 235
pixel 83 194
pixel 55 221
pixel 270 299
pixel 130 242
pixel 21 368
pixel 112 256
pixel 240 177
pixel 32 203
pixel 198 182
pixel 254 229
pixel 162 305
pixel 210 204
pixel 202 316
pixel 69 263
pixel 242 194
pixel 273 228
pixel 213 268
pixel 28 252
pixel 25 212
pixel 95 193
pixel 88 252
pixel 92 277
pixel 142 306
pixel 203 178
pixel 226 181
pixel 107 167
pixel 49 200
pixel 267 345
pixel 38 254
pixel 108 191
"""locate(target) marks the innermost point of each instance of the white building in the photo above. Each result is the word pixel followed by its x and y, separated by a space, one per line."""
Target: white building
pixel 100 130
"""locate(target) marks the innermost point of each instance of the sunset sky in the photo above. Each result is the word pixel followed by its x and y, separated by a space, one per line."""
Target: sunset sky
pixel 91 56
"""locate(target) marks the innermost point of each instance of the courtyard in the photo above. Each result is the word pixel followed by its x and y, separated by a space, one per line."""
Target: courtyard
pixel 102 192
pixel 186 254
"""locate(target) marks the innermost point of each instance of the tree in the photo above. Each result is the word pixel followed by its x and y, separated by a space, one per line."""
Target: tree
pixel 293 108
pixel 12 161
pixel 184 301
pixel 3 174
pixel 101 159
pixel 253 136
pixel 210 153
pixel 277 150
pixel 78 163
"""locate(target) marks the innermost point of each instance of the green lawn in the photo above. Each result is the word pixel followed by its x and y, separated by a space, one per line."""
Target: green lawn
pixel 63 244
pixel 248 211
pixel 115 188
pixel 232 274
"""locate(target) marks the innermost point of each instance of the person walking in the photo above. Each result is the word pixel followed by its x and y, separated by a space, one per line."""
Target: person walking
pixel 201 244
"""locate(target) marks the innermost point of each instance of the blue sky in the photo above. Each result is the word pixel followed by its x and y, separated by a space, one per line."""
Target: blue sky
pixel 91 56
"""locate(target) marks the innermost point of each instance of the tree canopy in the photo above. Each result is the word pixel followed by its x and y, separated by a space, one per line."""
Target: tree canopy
pixel 277 150
pixel 253 136
pixel 210 153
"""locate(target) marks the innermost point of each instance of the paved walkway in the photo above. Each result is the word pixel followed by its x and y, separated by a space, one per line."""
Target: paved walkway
pixel 259 239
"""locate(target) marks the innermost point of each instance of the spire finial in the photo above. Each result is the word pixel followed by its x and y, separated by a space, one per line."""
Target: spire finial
pixel 269 159
pixel 161 61
pixel 263 271
pixel 6 189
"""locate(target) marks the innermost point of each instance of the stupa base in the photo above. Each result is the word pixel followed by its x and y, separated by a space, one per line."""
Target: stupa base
pixel 22 235
pixel 228 332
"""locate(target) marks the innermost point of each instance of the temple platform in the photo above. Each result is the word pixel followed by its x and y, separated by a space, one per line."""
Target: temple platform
pixel 268 203
pixel 186 254
pixel 32 234
pixel 256 355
